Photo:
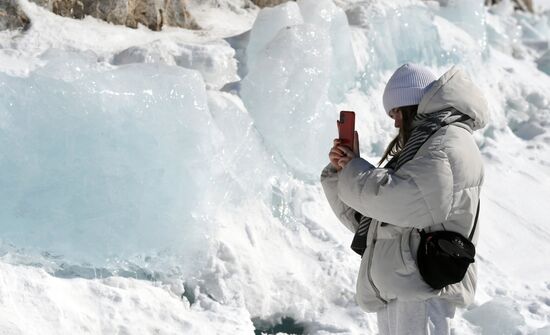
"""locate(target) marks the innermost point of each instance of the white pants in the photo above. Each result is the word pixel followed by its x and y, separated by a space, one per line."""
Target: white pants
pixel 430 317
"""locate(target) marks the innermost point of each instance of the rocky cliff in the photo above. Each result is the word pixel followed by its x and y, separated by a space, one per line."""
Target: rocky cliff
pixel 11 16
pixel 268 3
pixel 151 13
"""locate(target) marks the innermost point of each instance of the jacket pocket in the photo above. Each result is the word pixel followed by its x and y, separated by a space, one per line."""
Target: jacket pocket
pixel 394 270
pixel 409 241
pixel 387 266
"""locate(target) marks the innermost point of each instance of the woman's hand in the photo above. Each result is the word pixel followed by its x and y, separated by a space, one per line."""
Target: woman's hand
pixel 336 154
pixel 341 155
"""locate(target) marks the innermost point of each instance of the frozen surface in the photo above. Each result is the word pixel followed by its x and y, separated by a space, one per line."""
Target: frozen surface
pixel 214 60
pixel 295 74
pixel 267 25
pixel 289 85
pixel 110 163
pixel 469 15
pixel 243 166
pixel 326 15
pixel 139 198
pixel 543 63
pixel 390 31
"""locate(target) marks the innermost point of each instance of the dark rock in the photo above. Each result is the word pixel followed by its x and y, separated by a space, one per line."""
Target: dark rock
pixel 268 3
pixel 112 11
pixel 524 5
pixel 177 15
pixel 12 17
pixel 153 14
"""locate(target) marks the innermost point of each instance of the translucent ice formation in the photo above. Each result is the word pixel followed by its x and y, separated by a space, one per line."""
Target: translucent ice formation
pixel 296 72
pixel 326 14
pixel 543 63
pixel 469 15
pixel 393 37
pixel 266 26
pixel 112 163
pixel 243 167
pixel 287 95
pixel 214 60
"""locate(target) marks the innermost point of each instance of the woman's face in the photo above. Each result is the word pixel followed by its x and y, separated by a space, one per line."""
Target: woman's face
pixel 397 117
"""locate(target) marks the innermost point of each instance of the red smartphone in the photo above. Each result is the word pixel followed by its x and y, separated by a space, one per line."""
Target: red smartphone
pixel 346 128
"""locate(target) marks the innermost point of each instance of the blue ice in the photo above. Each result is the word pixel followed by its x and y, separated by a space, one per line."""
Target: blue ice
pixel 109 163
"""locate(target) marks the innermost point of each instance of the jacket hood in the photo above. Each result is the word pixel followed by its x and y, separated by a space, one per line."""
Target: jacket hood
pixel 456 89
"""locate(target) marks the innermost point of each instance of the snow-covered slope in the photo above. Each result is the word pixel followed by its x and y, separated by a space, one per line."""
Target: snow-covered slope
pixel 167 183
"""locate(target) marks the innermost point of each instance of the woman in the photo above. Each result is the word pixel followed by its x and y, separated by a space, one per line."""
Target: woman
pixel 432 182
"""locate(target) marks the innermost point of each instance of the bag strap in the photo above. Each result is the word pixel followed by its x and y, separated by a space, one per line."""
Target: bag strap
pixel 422 232
pixel 475 222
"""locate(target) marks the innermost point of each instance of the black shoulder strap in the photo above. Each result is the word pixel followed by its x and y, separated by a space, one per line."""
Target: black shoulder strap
pixel 475 222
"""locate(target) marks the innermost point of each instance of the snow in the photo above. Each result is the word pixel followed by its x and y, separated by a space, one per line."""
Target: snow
pixel 167 182
pixel 35 302
pixel 541 5
pixel 499 316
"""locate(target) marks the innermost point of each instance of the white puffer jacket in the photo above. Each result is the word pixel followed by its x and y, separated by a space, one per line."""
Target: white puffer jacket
pixel 440 185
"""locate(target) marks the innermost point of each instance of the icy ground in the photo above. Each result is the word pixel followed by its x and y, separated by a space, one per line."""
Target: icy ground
pixel 167 183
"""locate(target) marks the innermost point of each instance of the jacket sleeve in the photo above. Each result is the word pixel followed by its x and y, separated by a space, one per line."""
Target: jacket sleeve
pixel 418 195
pixel 346 214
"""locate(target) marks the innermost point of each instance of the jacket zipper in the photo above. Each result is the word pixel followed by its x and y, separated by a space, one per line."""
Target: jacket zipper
pixel 376 290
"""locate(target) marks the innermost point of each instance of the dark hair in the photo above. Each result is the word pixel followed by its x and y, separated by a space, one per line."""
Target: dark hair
pixel 398 143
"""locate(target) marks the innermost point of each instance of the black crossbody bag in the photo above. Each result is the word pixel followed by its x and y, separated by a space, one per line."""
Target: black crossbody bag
pixel 443 257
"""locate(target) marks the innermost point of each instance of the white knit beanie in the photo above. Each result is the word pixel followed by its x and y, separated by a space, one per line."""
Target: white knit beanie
pixel 406 86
